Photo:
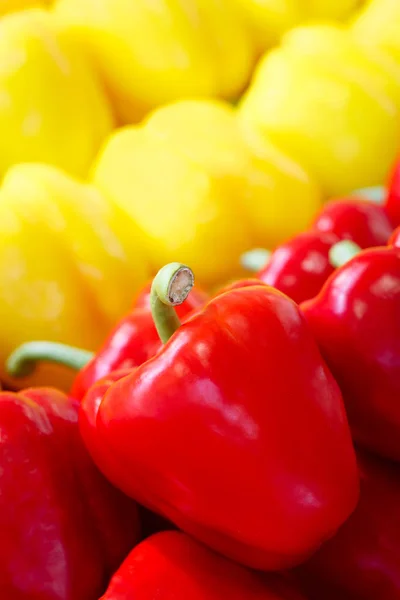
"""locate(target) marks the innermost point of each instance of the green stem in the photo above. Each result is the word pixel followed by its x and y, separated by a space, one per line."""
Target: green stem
pixel 255 260
pixel 23 360
pixel 171 287
pixel 342 252
pixel 375 194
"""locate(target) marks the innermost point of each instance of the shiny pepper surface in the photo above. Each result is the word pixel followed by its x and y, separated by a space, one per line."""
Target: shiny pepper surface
pixel 208 197
pixel 395 239
pixel 63 528
pixel 392 204
pixel 110 467
pixel 356 322
pixel 150 54
pixel 362 562
pixel 300 266
pixel 211 431
pixel 70 264
pixel 172 566
pixel 53 108
pixel 334 81
pixel 130 343
pixel 361 221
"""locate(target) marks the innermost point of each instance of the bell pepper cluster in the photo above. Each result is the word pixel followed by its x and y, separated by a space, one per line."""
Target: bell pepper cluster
pixel 175 122
pixel 200 300
pixel 255 430
pixel 300 266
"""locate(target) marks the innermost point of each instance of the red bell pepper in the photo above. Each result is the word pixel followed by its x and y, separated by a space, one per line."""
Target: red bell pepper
pixel 149 522
pixel 235 431
pixel 301 266
pixel 395 239
pixel 362 562
pixel 88 426
pixel 63 528
pixel 393 195
pixel 361 221
pixel 356 322
pixel 172 566
pixel 132 341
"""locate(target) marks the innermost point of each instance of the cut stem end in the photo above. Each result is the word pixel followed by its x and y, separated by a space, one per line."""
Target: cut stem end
pixel 171 286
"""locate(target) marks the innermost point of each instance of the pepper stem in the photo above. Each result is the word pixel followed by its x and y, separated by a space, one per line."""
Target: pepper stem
pixel 342 252
pixel 254 260
pixel 375 194
pixel 171 286
pixel 23 360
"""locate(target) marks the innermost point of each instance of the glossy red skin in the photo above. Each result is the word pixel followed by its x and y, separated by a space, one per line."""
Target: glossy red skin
pixel 63 528
pixel 196 298
pixel 392 204
pixel 172 566
pixel 150 522
pixel 132 341
pixel 395 239
pixel 88 427
pixel 212 431
pixel 365 223
pixel 356 322
pixel 362 562
pixel 300 267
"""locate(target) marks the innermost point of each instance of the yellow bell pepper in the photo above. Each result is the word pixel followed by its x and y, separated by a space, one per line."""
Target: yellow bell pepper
pixel 52 108
pixel 7 6
pixel 70 264
pixel 197 192
pixel 153 53
pixel 378 25
pixel 330 104
pixel 270 19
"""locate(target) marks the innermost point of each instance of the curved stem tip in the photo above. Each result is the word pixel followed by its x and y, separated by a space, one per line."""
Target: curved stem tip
pixel 171 286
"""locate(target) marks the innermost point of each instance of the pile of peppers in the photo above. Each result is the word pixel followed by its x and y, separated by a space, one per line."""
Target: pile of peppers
pixel 242 445
pixel 139 132
pixel 225 427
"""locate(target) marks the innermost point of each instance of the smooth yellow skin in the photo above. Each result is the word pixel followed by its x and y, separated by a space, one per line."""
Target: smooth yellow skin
pixel 329 106
pixel 151 53
pixel 270 19
pixel 332 48
pixel 328 9
pixel 70 264
pixel 378 25
pixel 7 6
pixel 52 107
pixel 198 193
